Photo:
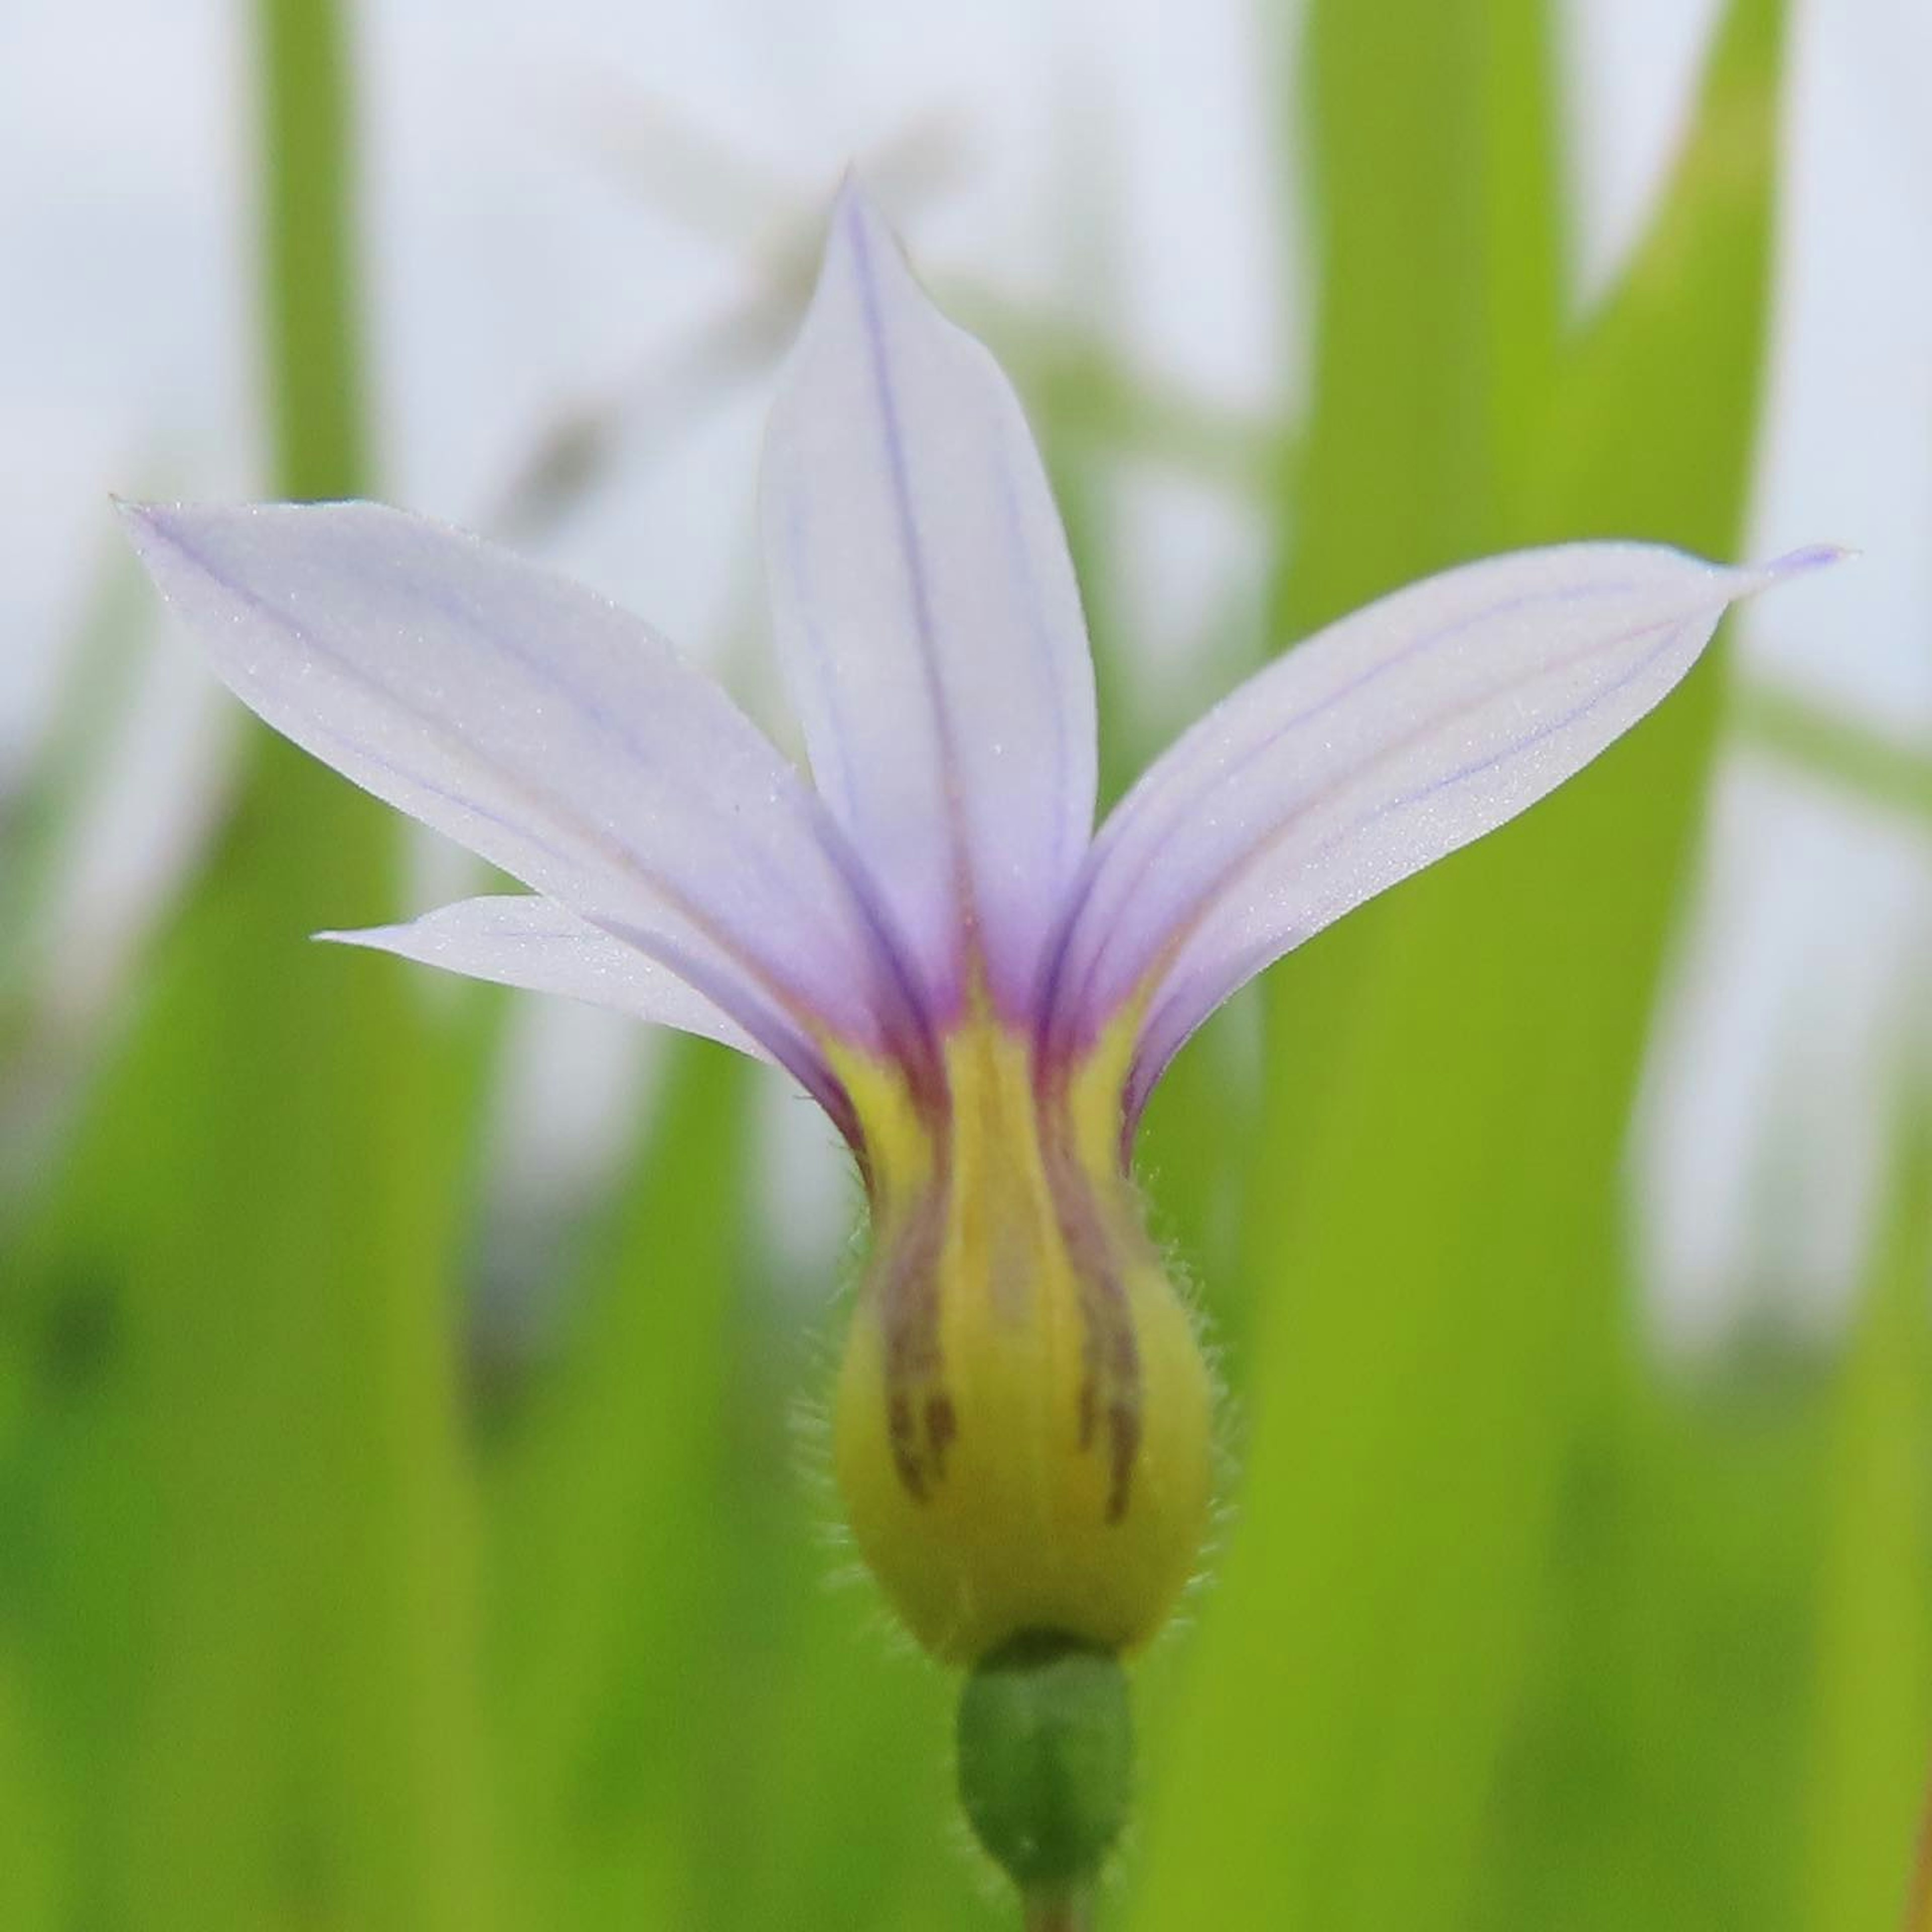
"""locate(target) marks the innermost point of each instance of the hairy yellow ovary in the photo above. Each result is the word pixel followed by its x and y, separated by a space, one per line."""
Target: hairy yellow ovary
pixel 1024 1422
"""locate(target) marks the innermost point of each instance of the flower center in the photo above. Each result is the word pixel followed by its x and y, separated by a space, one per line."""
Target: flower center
pixel 1023 1423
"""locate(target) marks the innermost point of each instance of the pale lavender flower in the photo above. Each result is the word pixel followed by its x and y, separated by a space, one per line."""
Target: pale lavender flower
pixel 929 935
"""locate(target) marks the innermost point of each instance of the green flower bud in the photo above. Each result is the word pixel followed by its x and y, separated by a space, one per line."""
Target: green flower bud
pixel 1046 1761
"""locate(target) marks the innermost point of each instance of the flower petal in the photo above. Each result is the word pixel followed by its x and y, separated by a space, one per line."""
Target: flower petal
pixel 548 731
pixel 927 613
pixel 1383 743
pixel 523 939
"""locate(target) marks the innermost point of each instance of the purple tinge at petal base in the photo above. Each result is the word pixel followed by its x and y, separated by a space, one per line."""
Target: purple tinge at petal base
pixel 1385 741
pixel 547 730
pixel 927 613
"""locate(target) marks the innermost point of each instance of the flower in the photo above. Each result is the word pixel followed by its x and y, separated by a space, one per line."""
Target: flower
pixel 979 991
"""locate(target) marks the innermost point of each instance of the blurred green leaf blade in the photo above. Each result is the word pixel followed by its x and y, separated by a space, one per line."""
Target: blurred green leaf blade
pixel 257 1208
pixel 1873 1686
pixel 1438 1223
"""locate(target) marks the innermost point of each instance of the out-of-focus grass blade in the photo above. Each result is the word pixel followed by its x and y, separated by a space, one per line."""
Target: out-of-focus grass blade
pixel 37 813
pixel 612 1513
pixel 1115 404
pixel 1877 767
pixel 1866 1769
pixel 700 1731
pixel 831 1736
pixel 31 1851
pixel 1681 341
pixel 1431 262
pixel 1660 1778
pixel 1438 241
pixel 254 1564
pixel 41 807
pixel 1436 233
pixel 1440 1237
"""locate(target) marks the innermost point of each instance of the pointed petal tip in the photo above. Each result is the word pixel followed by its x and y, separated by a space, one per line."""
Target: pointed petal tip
pixel 368 938
pixel 1203 897
pixel 139 519
pixel 852 205
pixel 155 527
pixel 927 613
pixel 1750 579
pixel 160 536
pixel 1803 562
pixel 860 240
pixel 856 235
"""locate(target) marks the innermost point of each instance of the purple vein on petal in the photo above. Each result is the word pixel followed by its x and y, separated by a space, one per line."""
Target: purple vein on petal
pixel 906 1019
pixel 601 843
pixel 772 1021
pixel 852 215
pixel 1183 1004
pixel 1200 879
pixel 926 608
pixel 1189 922
pixel 433 726
pixel 1176 813
pixel 750 856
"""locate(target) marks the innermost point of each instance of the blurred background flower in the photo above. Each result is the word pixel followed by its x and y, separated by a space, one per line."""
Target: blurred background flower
pixel 414 1565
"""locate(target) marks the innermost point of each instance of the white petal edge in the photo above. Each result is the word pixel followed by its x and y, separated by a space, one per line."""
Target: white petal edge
pixel 546 730
pixel 1385 741
pixel 926 612
pixel 526 940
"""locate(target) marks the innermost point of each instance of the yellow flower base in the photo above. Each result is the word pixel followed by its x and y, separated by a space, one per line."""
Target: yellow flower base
pixel 1023 1429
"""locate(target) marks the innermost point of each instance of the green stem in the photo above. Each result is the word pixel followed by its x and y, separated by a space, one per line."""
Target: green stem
pixel 1060 1912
